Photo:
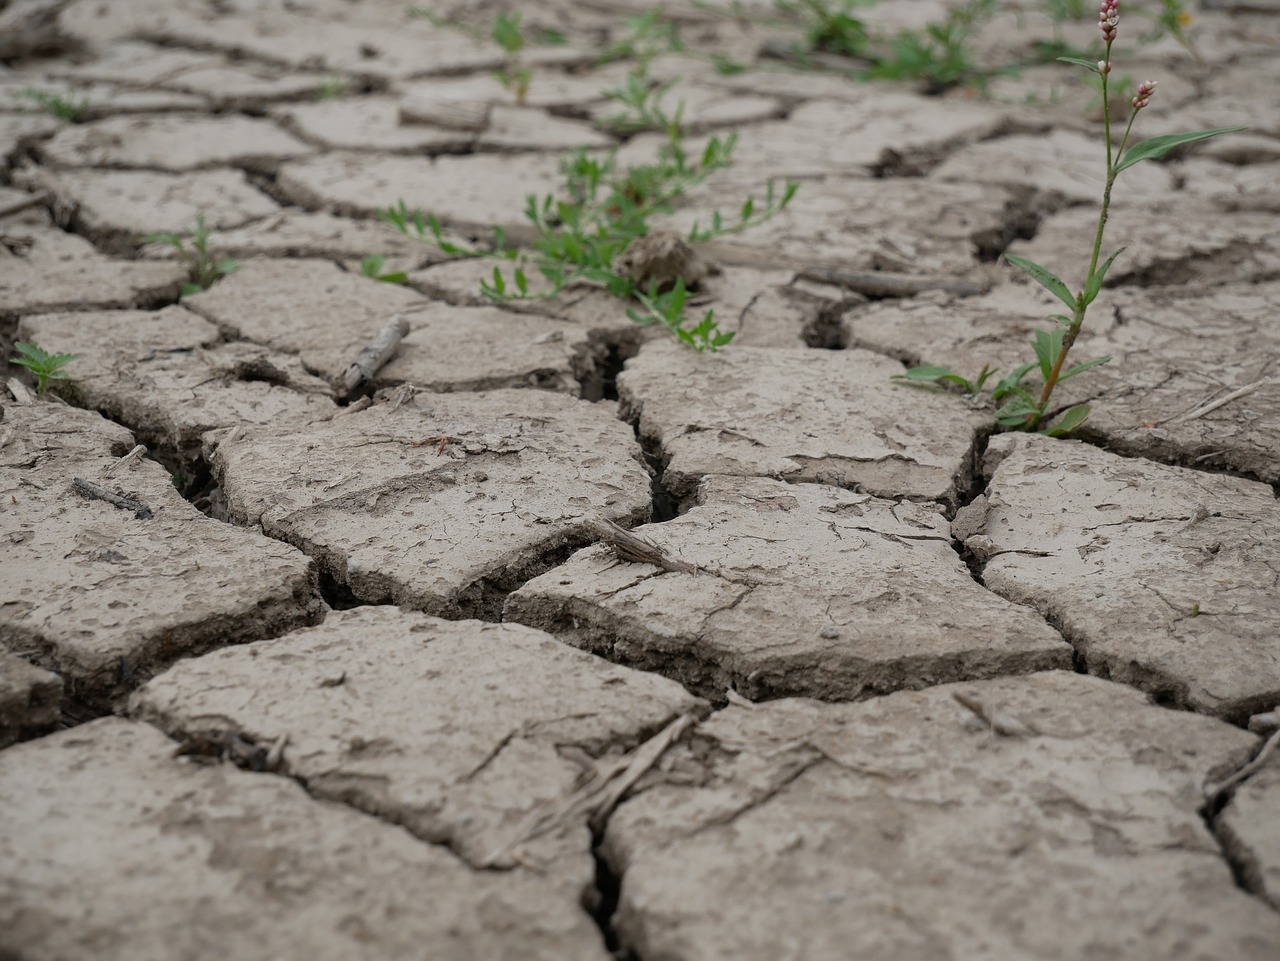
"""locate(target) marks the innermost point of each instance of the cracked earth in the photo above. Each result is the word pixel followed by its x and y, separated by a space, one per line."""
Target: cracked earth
pixel 334 679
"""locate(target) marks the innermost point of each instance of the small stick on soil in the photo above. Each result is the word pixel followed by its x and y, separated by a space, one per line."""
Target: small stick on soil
pixel 998 721
pixel 636 549
pixel 373 357
pixel 96 493
pixel 26 203
pixel 21 393
pixel 597 794
pixel 1249 769
pixel 130 458
pixel 1222 401
pixel 875 284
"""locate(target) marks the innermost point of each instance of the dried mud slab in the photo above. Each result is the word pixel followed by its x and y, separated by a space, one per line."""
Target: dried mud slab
pixel 165 374
pixel 456 730
pixel 208 861
pixel 701 107
pixel 755 303
pixel 904 827
pixel 106 597
pixel 863 225
pixel 45 269
pixel 29 699
pixel 1251 834
pixel 832 417
pixel 343 40
pixel 327 316
pixel 120 207
pixel 882 127
pixel 1062 166
pixel 443 502
pixel 1178 240
pixel 173 143
pixel 473 193
pixel 315 234
pixel 801 590
pixel 1161 577
pixel 1192 377
pixel 18 129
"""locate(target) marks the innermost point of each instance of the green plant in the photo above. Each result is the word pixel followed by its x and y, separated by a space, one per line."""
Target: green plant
pixel 334 87
pixel 44 365
pixel 581 234
pixel 70 109
pixel 372 267
pixel 939 54
pixel 203 269
pixel 647 36
pixel 830 25
pixel 642 108
pixel 1020 407
pixel 516 74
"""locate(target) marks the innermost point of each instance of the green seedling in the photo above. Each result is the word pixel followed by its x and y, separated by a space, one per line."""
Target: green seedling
pixel 1020 406
pixel 70 109
pixel 647 36
pixel 203 269
pixel 516 74
pixel 940 53
pixel 333 88
pixel 831 26
pixel 600 210
pixel 642 107
pixel 373 267
pixel 44 365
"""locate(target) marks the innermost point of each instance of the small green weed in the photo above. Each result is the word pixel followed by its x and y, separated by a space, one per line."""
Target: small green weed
pixel 601 211
pixel 333 88
pixel 647 36
pixel 68 108
pixel 373 267
pixel 1018 407
pixel 44 365
pixel 516 74
pixel 831 26
pixel 203 269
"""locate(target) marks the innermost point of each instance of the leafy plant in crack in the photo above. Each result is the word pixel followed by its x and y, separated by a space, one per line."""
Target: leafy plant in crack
pixel 68 108
pixel 334 87
pixel 1019 406
pixel 647 36
pixel 640 100
pixel 601 210
pixel 515 74
pixel 373 267
pixel 831 26
pixel 44 365
pixel 203 269
pixel 939 54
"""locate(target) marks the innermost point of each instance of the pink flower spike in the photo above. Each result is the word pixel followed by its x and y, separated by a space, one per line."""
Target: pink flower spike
pixel 1109 19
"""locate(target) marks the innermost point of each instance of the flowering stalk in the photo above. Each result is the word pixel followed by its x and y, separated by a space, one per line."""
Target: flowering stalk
pixel 1017 407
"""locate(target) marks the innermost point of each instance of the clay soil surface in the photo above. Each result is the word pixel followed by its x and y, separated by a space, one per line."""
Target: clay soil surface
pixel 289 671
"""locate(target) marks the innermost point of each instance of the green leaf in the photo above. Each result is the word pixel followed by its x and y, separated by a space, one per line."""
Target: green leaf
pixel 1015 412
pixel 522 282
pixel 1093 286
pixel 1155 147
pixel 1087 64
pixel 933 375
pixel 1068 422
pixel 1081 368
pixel 1046 278
pixel 499 284
pixel 189 290
pixel 1048 347
pixel 1009 384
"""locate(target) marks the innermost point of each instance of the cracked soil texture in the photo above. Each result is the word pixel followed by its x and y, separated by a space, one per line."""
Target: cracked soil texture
pixel 554 639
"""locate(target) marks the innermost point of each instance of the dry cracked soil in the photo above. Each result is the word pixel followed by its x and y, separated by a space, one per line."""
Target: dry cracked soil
pixel 288 672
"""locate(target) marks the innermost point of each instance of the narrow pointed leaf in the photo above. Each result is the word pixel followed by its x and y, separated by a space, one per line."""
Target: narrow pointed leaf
pixel 1045 278
pixel 1155 147
pixel 1080 368
pixel 1069 421
pixel 1094 285
pixel 1087 64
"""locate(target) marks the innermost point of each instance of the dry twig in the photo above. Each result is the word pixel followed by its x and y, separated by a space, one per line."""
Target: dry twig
pixel 999 722
pixel 1212 794
pixel 632 547
pixel 373 357
pixel 96 493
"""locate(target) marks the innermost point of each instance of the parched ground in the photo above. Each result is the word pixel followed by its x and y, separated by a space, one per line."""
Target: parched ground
pixel 380 676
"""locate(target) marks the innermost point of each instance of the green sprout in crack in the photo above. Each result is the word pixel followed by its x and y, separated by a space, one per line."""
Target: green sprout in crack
pixel 1019 406
pixel 44 365
pixel 373 267
pixel 68 108
pixel 203 269
pixel 582 232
